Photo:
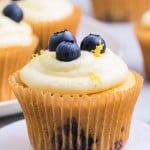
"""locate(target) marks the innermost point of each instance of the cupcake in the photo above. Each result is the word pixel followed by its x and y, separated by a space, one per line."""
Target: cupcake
pixel 142 32
pixel 119 10
pixel 49 16
pixel 17 43
pixel 74 99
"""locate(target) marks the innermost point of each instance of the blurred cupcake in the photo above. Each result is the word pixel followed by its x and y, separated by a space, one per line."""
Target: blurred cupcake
pixel 75 99
pixel 119 10
pixel 142 31
pixel 49 16
pixel 17 43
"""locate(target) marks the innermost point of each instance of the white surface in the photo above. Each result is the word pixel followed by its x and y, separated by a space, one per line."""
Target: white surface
pixel 9 108
pixel 14 137
pixel 88 25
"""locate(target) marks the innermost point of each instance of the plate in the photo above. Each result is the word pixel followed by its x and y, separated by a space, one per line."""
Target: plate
pixel 14 137
pixel 87 25
pixel 9 108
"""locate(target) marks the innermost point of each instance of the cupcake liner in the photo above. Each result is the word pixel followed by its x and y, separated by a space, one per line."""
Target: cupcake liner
pixel 45 29
pixel 119 10
pixel 12 59
pixel 143 36
pixel 93 122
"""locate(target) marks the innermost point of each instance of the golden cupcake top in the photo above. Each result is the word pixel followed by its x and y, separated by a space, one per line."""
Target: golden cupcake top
pixel 68 68
pixel 13 31
pixel 46 10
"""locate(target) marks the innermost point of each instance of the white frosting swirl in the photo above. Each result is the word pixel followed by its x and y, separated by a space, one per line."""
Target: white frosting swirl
pixel 146 19
pixel 12 33
pixel 85 75
pixel 43 10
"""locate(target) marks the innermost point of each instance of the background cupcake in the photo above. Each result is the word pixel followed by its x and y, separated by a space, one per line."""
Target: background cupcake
pixel 49 16
pixel 142 31
pixel 75 99
pixel 119 10
pixel 17 43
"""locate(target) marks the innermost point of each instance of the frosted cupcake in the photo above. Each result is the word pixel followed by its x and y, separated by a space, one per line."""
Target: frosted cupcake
pixel 119 10
pixel 17 43
pixel 49 16
pixel 142 31
pixel 75 99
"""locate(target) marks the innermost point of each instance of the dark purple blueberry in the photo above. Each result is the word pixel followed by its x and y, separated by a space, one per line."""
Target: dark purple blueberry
pixel 118 145
pixel 67 51
pixel 82 139
pixel 14 12
pixel 59 37
pixel 90 42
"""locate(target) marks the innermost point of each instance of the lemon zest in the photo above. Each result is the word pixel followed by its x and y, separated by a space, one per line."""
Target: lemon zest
pixel 97 51
pixel 41 51
pixel 50 55
pixel 94 77
pixel 35 58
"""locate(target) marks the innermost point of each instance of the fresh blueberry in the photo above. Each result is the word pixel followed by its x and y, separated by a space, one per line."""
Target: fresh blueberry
pixel 14 12
pixel 67 51
pixel 59 37
pixel 90 42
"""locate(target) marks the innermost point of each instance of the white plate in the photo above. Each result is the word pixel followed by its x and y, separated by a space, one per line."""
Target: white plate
pixel 14 137
pixel 9 108
pixel 87 25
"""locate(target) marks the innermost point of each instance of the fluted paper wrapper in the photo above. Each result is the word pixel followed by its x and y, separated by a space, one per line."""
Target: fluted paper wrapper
pixel 89 122
pixel 119 10
pixel 143 36
pixel 12 59
pixel 45 29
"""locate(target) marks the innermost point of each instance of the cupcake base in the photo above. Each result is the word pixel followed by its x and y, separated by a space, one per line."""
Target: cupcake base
pixel 12 59
pixel 118 10
pixel 45 29
pixel 98 121
pixel 143 36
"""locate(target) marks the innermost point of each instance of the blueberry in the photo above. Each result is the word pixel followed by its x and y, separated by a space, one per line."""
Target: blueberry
pixel 14 12
pixel 59 37
pixel 67 51
pixel 90 42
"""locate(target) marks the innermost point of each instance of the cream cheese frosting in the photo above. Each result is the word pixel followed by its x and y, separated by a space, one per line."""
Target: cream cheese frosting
pixel 146 19
pixel 3 3
pixel 45 10
pixel 85 75
pixel 12 33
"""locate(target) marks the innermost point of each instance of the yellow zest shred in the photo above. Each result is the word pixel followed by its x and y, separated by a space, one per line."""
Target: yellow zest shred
pixel 41 51
pixel 35 58
pixel 94 77
pixel 98 49
pixel 50 55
